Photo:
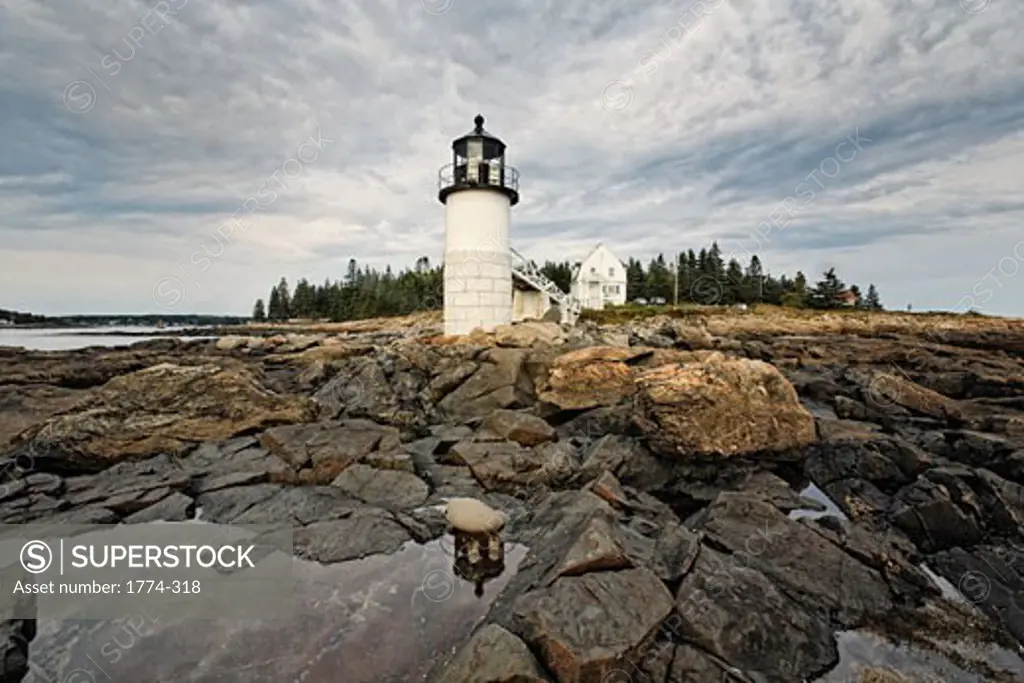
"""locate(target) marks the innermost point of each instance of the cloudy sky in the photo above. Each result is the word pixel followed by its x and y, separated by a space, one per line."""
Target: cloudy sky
pixel 882 137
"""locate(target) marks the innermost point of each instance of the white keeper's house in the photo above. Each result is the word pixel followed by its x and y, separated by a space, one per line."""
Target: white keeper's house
pixel 599 280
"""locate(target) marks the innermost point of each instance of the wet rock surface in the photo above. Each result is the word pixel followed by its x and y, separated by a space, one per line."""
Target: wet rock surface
pixel 651 474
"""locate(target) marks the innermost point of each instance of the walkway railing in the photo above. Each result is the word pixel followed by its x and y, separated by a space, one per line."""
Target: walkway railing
pixel 527 271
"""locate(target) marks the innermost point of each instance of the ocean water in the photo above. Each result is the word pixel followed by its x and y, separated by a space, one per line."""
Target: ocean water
pixel 63 339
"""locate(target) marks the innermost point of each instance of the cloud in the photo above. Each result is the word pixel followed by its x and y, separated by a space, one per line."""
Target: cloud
pixel 135 130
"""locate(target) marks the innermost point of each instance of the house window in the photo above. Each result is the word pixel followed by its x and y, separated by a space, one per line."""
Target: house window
pixel 593 270
pixel 611 272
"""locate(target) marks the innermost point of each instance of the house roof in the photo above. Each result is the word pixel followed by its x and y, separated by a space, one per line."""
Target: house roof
pixel 600 245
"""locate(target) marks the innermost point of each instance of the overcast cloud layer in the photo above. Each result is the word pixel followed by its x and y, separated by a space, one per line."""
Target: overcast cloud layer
pixel 133 131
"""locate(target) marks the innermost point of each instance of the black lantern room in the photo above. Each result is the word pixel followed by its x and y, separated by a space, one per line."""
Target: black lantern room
pixel 478 162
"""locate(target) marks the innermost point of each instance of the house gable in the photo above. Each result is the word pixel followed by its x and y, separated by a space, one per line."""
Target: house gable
pixel 601 264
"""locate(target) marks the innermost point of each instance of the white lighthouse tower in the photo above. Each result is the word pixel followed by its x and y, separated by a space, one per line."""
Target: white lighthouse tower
pixel 478 191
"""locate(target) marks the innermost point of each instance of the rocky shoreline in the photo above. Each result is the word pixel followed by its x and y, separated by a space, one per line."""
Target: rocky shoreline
pixel 699 499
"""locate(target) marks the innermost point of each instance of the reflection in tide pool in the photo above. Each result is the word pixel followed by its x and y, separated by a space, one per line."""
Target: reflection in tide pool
pixel 384 619
pixel 862 649
pixel 813 493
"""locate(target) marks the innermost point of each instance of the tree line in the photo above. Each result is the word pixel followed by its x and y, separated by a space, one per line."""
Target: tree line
pixel 702 277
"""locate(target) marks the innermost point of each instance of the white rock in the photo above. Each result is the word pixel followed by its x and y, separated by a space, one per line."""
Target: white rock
pixel 473 516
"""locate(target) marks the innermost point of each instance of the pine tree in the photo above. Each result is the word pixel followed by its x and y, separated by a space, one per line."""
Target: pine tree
pixel 274 305
pixel 366 292
pixel 716 265
pixel 635 280
pixel 284 299
pixel 773 289
pixel 659 279
pixel 259 314
pixel 754 281
pixel 872 302
pixel 303 303
pixel 828 292
pixel 733 284
pixel 796 295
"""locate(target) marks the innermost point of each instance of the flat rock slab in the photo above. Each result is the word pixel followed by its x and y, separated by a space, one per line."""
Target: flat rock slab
pixel 523 428
pixel 391 489
pixel 275 504
pixel 176 507
pixel 796 557
pixel 319 452
pixel 585 626
pixel 366 532
pixel 738 614
pixel 163 409
pixel 506 465
pixel 991 578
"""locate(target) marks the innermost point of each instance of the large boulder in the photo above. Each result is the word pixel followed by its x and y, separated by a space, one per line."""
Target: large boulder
pixel 528 333
pixel 590 377
pixel 721 407
pixel 162 409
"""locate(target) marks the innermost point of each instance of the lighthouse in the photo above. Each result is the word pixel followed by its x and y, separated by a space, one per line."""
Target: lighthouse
pixel 478 190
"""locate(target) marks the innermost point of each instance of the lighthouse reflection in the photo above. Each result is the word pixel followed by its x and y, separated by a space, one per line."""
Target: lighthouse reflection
pixel 479 558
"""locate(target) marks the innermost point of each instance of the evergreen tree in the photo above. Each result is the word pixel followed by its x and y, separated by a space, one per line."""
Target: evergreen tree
pixel 274 305
pixel 635 280
pixel 796 295
pixel 259 313
pixel 702 262
pixel 284 299
pixel 773 289
pixel 828 292
pixel 687 273
pixel 872 302
pixel 303 303
pixel 659 281
pixel 733 286
pixel 365 292
pixel 754 281
pixel 716 265
pixel 559 273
